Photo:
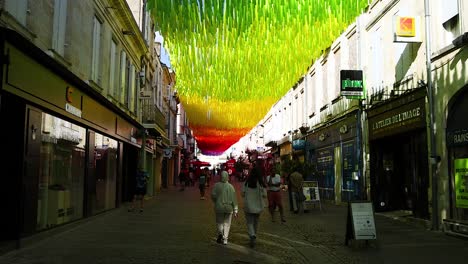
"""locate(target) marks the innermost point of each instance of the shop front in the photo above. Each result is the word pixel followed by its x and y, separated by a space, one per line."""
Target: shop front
pixel 65 144
pixel 399 172
pixel 457 148
pixel 333 151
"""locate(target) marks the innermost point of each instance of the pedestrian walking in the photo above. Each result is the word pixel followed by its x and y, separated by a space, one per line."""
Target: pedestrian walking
pixel 140 189
pixel 254 194
pixel 225 205
pixel 297 182
pixel 274 195
pixel 202 179
pixel 182 180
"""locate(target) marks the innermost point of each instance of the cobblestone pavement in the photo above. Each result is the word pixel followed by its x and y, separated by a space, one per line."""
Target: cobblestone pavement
pixel 178 227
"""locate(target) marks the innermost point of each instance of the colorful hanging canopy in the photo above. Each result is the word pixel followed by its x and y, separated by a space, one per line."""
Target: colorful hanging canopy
pixel 235 58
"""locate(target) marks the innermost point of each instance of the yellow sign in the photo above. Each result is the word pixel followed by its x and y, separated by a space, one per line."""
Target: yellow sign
pixel 68 94
pixel 406 27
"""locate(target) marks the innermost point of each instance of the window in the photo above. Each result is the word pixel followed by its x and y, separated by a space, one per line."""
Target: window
pixel 112 70
pixel 335 80
pixel 123 67
pixel 96 61
pixel 127 82
pixel 60 20
pixel 17 8
pixel 106 160
pixel 376 65
pixel 449 15
pixel 62 172
pixel 325 78
pixel 313 93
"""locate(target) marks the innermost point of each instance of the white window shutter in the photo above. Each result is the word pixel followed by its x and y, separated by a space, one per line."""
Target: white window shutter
pixel 112 88
pixel 96 48
pixel 62 26
pixel 131 92
pixel 60 20
pixel 123 65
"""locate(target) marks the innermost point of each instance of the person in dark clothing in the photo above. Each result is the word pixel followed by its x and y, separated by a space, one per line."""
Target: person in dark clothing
pixel 202 179
pixel 140 189
pixel 182 180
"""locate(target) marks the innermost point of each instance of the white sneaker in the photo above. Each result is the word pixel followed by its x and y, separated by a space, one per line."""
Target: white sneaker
pixel 225 242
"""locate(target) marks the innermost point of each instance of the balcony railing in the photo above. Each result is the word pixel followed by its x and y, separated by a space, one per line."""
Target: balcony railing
pixel 151 114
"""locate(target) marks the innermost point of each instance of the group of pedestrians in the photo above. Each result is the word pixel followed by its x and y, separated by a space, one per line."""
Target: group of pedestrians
pixel 256 194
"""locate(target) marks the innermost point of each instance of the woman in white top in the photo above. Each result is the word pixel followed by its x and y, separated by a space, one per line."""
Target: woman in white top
pixel 274 195
pixel 254 194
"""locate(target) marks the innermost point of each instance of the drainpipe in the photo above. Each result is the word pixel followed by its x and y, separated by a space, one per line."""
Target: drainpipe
pixel 434 159
pixel 143 22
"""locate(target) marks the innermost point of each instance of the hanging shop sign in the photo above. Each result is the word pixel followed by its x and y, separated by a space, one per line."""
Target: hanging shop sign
pixel 461 183
pixel 298 144
pixel 407 29
pixel 167 153
pixel 352 85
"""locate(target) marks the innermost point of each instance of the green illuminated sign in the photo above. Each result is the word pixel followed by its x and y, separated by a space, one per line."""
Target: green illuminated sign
pixel 352 85
pixel 461 183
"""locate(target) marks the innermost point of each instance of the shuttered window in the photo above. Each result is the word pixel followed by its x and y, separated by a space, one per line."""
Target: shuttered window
pixel 60 21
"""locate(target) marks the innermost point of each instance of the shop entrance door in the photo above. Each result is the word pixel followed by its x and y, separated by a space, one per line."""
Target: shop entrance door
pixel 399 174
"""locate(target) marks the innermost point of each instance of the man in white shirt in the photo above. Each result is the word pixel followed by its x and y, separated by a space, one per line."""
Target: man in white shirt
pixel 274 195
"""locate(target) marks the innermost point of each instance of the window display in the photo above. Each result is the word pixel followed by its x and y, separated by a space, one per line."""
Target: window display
pixel 62 167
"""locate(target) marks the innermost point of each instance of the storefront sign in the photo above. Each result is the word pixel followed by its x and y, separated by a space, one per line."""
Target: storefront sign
pixel 285 149
pixel 398 120
pixel 461 183
pixel 352 83
pixel 457 138
pixel 298 144
pixel 73 110
pixel 68 94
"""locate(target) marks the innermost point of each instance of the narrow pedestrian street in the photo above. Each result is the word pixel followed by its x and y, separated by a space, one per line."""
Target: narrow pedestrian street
pixel 178 227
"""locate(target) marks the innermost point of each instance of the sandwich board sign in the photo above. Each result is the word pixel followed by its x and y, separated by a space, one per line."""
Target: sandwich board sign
pixel 360 223
pixel 311 192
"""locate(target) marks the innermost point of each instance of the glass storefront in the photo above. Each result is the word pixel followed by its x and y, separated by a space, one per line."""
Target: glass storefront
pixel 105 160
pixel 62 167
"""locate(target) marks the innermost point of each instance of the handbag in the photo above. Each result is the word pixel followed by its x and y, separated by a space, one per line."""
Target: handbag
pixel 301 197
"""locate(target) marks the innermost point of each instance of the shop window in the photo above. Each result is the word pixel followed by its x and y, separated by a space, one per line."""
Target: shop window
pixel 105 159
pixel 62 167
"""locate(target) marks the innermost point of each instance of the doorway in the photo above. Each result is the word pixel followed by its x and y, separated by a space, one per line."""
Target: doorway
pixel 399 173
